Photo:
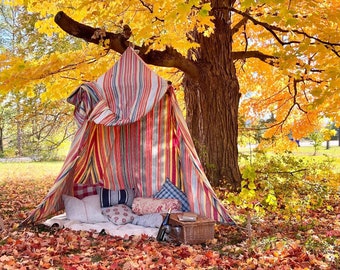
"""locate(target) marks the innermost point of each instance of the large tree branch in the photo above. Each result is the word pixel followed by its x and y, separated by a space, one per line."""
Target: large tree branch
pixel 269 59
pixel 119 42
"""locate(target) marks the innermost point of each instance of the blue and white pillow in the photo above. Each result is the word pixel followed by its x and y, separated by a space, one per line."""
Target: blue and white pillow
pixel 110 197
pixel 170 191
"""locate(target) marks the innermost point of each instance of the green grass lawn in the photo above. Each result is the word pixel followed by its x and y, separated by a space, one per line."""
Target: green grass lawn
pixel 322 154
pixel 307 152
pixel 333 151
pixel 50 170
pixel 30 170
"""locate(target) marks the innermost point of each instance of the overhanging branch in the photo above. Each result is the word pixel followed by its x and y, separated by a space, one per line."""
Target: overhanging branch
pixel 119 42
pixel 269 59
pixel 283 172
pixel 273 29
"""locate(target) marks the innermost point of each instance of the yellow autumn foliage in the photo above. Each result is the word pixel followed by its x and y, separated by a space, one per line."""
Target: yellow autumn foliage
pixel 265 89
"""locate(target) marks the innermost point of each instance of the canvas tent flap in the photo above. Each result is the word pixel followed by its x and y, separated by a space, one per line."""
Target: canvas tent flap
pixel 132 134
pixel 118 97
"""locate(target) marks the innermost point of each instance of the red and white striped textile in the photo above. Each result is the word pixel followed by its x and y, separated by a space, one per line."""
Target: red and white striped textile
pixel 132 134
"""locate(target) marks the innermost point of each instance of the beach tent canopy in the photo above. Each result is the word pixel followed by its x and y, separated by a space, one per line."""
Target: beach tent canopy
pixel 131 134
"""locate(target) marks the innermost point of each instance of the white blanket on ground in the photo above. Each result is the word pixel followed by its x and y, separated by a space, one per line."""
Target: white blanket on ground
pixel 109 227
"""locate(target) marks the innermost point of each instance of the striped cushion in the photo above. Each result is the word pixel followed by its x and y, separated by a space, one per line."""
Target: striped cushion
pixel 170 191
pixel 110 197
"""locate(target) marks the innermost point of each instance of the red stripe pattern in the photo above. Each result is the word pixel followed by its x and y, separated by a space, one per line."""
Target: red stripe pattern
pixel 131 134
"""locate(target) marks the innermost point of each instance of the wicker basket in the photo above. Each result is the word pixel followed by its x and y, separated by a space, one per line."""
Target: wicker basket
pixel 192 232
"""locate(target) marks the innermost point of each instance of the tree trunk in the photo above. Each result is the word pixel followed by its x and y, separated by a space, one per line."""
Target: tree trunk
pixel 212 105
pixel 1 142
pixel 19 132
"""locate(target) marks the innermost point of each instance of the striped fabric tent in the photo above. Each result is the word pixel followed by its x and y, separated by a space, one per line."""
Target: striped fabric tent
pixel 131 134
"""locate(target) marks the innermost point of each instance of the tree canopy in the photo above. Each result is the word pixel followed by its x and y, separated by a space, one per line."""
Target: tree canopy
pixel 286 53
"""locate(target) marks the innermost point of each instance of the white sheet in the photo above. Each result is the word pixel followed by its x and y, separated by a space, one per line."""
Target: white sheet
pixel 110 228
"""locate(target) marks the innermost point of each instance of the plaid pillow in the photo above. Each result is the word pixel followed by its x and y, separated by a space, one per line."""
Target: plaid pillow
pixel 170 191
pixel 110 197
pixel 83 190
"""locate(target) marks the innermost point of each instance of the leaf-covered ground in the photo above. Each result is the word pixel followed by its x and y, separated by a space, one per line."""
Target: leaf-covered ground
pixel 313 243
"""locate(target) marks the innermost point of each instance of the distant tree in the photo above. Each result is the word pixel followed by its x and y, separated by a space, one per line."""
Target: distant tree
pixel 29 125
pixel 317 139
pixel 2 122
pixel 327 134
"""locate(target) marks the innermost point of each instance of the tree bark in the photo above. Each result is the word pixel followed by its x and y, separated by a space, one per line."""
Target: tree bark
pixel 1 141
pixel 19 132
pixel 212 104
pixel 212 120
